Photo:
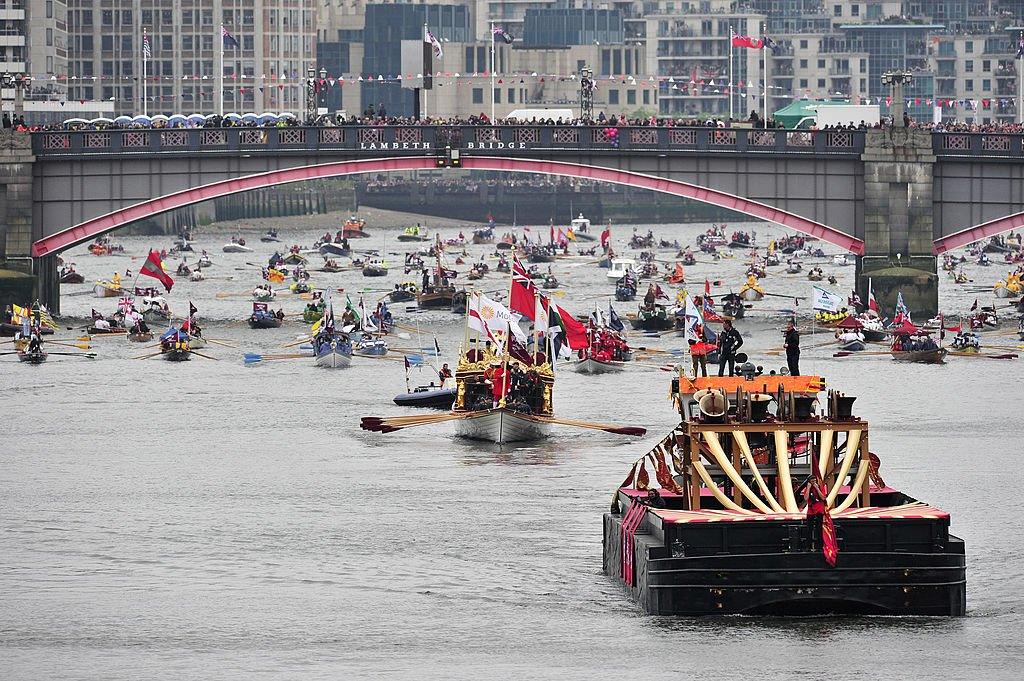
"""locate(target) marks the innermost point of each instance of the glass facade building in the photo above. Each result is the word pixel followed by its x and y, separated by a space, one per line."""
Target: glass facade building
pixel 565 27
pixel 897 47
pixel 388 25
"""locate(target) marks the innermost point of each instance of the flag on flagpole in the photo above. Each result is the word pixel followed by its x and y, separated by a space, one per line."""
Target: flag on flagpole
pixel 614 322
pixel 229 40
pixel 154 268
pixel 825 301
pixel 435 43
pixel 692 321
pixel 147 51
pixel 872 303
pixel 499 33
pixel 902 313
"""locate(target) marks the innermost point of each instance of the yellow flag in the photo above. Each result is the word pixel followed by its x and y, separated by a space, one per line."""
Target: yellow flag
pixel 317 324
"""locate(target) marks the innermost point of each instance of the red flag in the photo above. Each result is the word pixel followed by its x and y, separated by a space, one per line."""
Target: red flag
pixel 523 290
pixel 747 41
pixel 605 235
pixel 575 333
pixel 817 504
pixel 154 268
pixel 707 288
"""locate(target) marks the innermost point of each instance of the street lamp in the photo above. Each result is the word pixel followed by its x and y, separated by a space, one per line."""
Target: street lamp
pixel 323 90
pixel 310 95
pixel 586 93
pixel 20 82
pixel 896 80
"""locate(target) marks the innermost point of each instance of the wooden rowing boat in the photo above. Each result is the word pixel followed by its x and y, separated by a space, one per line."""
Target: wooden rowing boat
pixel 935 356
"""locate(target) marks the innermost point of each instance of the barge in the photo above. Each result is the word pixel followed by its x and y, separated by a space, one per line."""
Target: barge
pixel 715 519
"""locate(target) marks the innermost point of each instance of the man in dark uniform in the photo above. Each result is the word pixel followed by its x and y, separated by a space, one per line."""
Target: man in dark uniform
pixel 792 345
pixel 729 341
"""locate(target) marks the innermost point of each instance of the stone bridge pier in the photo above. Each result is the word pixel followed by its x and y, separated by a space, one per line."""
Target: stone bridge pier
pixel 898 222
pixel 17 268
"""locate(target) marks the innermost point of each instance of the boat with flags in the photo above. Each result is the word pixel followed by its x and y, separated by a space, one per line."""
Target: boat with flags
pixel 174 345
pixel 263 318
pixel 504 387
pixel 758 503
pixel 437 290
pixel 332 350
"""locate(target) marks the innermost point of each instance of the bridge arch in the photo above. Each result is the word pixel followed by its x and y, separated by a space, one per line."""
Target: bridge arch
pixel 94 227
pixel 979 232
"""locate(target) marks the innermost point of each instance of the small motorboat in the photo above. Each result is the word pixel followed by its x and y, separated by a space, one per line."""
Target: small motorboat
pixel 851 344
pixel 353 229
pixel 815 274
pixel 369 346
pixel 263 319
pixel 580 228
pixel 842 260
pixel 197 275
pixel 270 237
pixel 236 247
pixel 68 275
pixel 375 267
pixel 404 292
pixel 107 289
pixel 263 294
pixel 549 283
pixel 414 234
pixel 428 397
pixel 335 249
pixel 794 267
pixel 619 267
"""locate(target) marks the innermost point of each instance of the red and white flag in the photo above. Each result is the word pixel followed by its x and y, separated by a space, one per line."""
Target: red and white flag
pixel 153 267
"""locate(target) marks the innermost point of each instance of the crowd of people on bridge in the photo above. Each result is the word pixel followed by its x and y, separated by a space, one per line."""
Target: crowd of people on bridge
pixel 378 117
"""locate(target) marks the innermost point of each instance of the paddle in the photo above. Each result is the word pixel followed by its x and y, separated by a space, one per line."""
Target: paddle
pixel 617 430
pixel 865 353
pixel 221 343
pixel 252 357
pixel 87 355
pixel 80 345
pixel 148 356
pixel 1008 355
pixel 380 424
pixel 199 354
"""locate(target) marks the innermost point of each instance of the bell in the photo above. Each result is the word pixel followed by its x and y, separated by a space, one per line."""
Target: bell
pixel 803 408
pixel 713 406
pixel 844 407
pixel 759 407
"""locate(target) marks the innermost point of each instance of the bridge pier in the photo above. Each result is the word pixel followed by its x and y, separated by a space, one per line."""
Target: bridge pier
pixel 898 222
pixel 18 281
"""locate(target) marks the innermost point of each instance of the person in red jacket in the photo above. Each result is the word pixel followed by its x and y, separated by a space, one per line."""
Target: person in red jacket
pixel 498 379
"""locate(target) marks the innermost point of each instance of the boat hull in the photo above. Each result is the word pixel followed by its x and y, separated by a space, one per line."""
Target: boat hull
pixel 177 355
pixel 32 357
pixel 333 360
pixel 441 398
pixel 264 323
pixel 501 426
pixel 236 248
pixel 922 582
pixel 140 337
pixel 652 324
pixel 873 335
pixel 852 346
pixel 593 366
pixel 334 249
pixel 101 291
pixel 921 356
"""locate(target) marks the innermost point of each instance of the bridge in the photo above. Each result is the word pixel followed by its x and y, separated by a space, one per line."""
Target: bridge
pixel 896 198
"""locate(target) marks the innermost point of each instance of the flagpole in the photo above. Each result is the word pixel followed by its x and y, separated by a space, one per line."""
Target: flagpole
pixel 145 104
pixel 764 74
pixel 219 75
pixel 493 79
pixel 731 79
pixel 1020 82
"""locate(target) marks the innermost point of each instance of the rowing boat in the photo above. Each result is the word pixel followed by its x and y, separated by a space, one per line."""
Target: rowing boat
pixel 590 365
pixel 934 356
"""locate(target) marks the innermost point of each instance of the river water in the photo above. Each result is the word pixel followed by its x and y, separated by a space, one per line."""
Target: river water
pixel 209 519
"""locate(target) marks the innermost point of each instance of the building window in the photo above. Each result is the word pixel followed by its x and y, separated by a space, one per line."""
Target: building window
pixel 803 44
pixel 986 85
pixel 497 95
pixel 855 11
pixel 613 97
pixel 49 9
pixel 107 17
pixel 49 37
pixel 821 83
pixel 631 97
pixel 969 86
pixel 821 64
pixel 478 95
pixel 803 63
pixel 837 10
pixel 107 43
pixel 511 96
pixel 647 97
pixel 969 66
pixel 803 83
pixel 470 63
pixel 969 47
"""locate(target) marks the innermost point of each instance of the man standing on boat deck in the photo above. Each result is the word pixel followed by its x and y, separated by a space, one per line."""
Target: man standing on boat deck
pixel 729 341
pixel 792 345
pixel 498 378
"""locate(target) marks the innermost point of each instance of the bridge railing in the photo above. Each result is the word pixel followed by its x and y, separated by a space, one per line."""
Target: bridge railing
pixel 991 144
pixel 499 140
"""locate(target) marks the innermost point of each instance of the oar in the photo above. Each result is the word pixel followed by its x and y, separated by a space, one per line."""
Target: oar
pixel 1008 355
pixel 379 424
pixel 80 346
pixel 864 353
pixel 221 343
pixel 252 357
pixel 148 356
pixel 199 354
pixel 305 339
pixel 87 355
pixel 618 430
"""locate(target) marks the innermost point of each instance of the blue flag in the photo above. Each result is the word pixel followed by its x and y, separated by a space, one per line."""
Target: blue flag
pixel 229 40
pixel 614 322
